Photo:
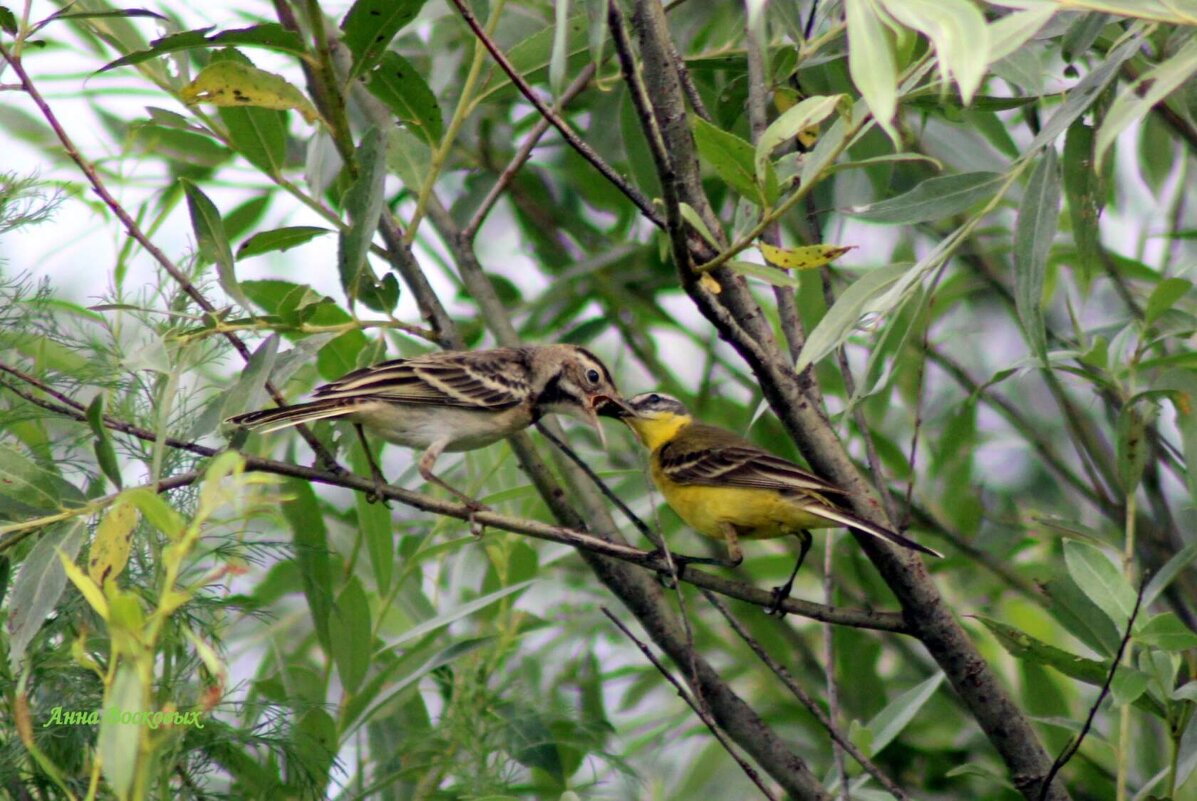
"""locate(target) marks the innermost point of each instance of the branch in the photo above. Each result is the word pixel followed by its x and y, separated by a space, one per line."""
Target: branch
pixel 807 702
pixel 583 149
pixel 690 702
pixel 930 618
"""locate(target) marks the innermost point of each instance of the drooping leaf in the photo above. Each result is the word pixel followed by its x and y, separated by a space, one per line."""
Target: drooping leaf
pixel 1138 98
pixel 933 199
pixel 351 634
pixel 279 239
pixel 872 62
pixel 39 584
pixel 731 158
pixel 844 317
pixel 211 239
pixel 1100 580
pixel 364 203
pixel 234 84
pixel 370 25
pixel 805 257
pixel 113 541
pixel 270 35
pixel 403 90
pixel 1034 233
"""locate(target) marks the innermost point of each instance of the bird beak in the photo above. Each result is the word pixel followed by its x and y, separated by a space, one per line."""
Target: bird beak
pixel 608 406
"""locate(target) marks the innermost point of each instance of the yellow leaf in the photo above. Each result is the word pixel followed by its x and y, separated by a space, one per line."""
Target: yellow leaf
pixel 85 585
pixel 807 257
pixel 708 283
pixel 110 548
pixel 233 84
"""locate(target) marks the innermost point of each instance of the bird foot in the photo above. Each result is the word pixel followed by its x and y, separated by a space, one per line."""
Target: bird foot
pixel 378 494
pixel 780 594
pixel 477 529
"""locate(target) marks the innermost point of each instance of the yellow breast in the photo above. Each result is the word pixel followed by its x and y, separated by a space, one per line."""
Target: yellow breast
pixel 756 513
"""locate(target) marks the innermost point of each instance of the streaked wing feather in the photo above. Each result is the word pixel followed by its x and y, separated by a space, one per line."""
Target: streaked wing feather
pixel 495 379
pixel 739 466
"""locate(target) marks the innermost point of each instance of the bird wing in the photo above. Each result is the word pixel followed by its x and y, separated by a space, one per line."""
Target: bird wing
pixel 712 456
pixel 492 379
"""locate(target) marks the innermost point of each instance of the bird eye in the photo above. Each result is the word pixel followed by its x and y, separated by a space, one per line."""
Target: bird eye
pixel 654 399
pixel 592 376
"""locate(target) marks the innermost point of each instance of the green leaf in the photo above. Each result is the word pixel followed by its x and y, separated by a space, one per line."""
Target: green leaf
pixel 315 740
pixel 1009 33
pixel 872 62
pixel 211 239
pixel 1034 233
pixel 1167 632
pixel 1166 574
pixel 770 275
pixel 810 112
pixel 403 90
pixel 730 157
pixel 532 56
pixel 1082 189
pixel 117 744
pixel 1023 646
pixel 1133 446
pixel 465 610
pixel 156 511
pixel 302 512
pixel 279 239
pixel 270 35
pixel 370 26
pixel 695 221
pixel 529 740
pixel 1081 96
pixel 364 203
pixel 958 31
pixel 933 199
pixel 39 585
pixel 1138 98
pixel 1165 295
pixel 891 720
pixel 1182 388
pixel 1128 685
pixel 351 637
pixel 559 57
pixel 258 134
pixel 1101 581
pixel 32 487
pixel 844 316
pixel 408 156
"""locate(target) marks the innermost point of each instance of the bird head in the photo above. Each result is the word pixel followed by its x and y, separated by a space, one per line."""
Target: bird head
pixel 654 416
pixel 568 379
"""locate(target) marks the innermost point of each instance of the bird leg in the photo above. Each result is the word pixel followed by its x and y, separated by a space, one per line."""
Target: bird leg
pixel 781 593
pixel 379 481
pixel 472 504
pixel 735 554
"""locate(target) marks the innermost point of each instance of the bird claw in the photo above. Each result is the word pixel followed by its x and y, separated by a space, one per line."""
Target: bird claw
pixel 477 529
pixel 780 595
pixel 378 494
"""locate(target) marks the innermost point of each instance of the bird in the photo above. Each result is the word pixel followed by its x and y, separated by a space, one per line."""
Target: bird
pixel 454 401
pixel 725 487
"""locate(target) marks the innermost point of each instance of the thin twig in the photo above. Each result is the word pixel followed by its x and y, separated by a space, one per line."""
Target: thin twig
pixel 1073 746
pixel 807 702
pixel 833 687
pixel 652 536
pixel 703 715
pixel 523 154
pixel 576 142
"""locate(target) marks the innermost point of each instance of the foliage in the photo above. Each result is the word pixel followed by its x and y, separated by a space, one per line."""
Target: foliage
pixel 974 228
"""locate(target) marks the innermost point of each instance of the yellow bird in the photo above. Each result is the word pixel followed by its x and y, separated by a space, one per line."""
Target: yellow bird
pixel 725 487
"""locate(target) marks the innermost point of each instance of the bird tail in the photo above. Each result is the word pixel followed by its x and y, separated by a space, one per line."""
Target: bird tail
pixel 268 420
pixel 853 522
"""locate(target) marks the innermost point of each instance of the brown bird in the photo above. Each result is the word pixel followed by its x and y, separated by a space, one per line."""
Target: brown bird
pixel 454 400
